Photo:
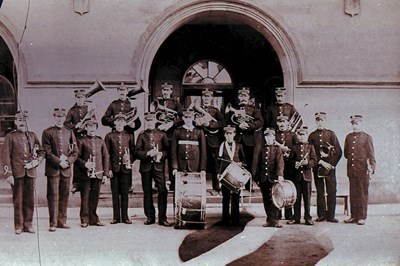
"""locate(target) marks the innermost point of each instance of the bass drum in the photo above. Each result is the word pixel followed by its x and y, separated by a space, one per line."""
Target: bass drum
pixel 284 194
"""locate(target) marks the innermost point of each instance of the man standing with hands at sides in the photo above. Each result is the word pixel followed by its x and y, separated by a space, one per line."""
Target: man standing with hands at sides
pixel 122 105
pixel 230 151
pixel 211 121
pixel 121 147
pixel 22 154
pixel 304 159
pixel 61 152
pixel 359 152
pixel 94 160
pixel 152 149
pixel 188 150
pixel 249 124
pixel 329 152
pixel 268 166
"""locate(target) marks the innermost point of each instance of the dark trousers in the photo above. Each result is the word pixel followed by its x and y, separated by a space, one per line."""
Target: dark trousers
pixel 359 196
pixel 326 209
pixel 212 155
pixel 90 192
pixel 159 179
pixel 119 189
pixel 57 199
pixel 229 197
pixel 248 153
pixel 271 210
pixel 288 212
pixel 23 199
pixel 303 189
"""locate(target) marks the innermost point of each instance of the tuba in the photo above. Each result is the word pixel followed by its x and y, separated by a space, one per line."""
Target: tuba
pixel 95 88
pixel 131 94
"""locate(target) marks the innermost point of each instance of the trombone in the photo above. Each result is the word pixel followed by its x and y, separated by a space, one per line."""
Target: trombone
pixel 294 121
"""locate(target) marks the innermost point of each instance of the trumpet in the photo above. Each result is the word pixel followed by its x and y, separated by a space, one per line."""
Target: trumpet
pixel 239 116
pixel 294 121
pixel 127 159
pixel 285 149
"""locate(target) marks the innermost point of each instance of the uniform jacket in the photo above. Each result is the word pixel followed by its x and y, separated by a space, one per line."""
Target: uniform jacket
pixel 274 110
pixel 252 135
pixel 116 107
pixel 188 150
pixel 290 139
pixel 212 132
pixel 268 163
pixel 172 104
pixel 146 141
pixel 96 147
pixel 57 142
pixel 18 151
pixel 299 151
pixel 118 143
pixel 238 155
pixel 320 138
pixel 359 152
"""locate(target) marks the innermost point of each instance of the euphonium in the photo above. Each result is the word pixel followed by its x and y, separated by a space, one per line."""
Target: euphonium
pixel 127 159
pixel 132 115
pixel 239 116
pixel 163 114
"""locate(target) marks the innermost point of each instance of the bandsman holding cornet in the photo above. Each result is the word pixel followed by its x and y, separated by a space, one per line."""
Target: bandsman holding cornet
pixel 329 152
pixel 93 160
pixel 249 122
pixel 121 146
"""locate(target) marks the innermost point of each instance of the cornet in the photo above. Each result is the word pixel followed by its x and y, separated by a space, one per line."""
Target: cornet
pixel 92 171
pixel 127 159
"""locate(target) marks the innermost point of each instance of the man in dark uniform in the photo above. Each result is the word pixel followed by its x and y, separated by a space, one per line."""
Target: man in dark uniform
pixel 188 148
pixel 286 139
pixel 211 120
pixel 280 107
pixel 249 122
pixel 61 152
pixel 76 116
pixel 329 152
pixel 359 152
pixel 304 159
pixel 268 166
pixel 152 150
pixel 171 103
pixel 121 146
pixel 22 154
pixel 122 105
pixel 93 159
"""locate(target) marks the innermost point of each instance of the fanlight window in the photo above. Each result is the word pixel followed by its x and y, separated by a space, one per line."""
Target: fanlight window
pixel 8 106
pixel 207 72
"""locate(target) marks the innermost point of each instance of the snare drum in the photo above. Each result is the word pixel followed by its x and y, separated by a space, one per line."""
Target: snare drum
pixel 234 177
pixel 284 194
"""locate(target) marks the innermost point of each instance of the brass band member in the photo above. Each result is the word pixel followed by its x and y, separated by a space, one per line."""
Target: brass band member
pixel 281 107
pixel 249 124
pixel 188 149
pixel 329 152
pixel 211 120
pixel 268 166
pixel 120 146
pixel 61 152
pixel 22 154
pixel 304 159
pixel 94 160
pixel 230 151
pixel 152 149
pixel 359 152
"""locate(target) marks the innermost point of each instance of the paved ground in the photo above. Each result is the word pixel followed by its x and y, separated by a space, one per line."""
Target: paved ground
pixel 376 243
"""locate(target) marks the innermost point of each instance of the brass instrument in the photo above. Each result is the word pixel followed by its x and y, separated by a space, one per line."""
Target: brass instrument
pixel 163 114
pixel 92 171
pixel 127 159
pixel 202 117
pixel 294 121
pixel 285 149
pixel 239 116
pixel 300 163
pixel 131 94
pixel 95 88
pixel 327 150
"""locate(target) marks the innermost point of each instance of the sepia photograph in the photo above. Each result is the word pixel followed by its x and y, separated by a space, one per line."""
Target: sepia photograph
pixel 199 132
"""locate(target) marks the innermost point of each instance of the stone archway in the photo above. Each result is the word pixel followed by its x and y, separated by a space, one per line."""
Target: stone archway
pixel 265 23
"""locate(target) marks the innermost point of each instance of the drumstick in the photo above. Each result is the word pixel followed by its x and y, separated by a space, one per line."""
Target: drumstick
pixel 229 161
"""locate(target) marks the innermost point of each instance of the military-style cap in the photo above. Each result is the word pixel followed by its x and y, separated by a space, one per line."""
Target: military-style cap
pixel 59 112
pixel 244 90
pixel 269 131
pixel 188 112
pixel 282 118
pixel 355 118
pixel 122 87
pixel 120 116
pixel 280 90
pixel 320 116
pixel 229 129
pixel 166 85
pixel 302 130
pixel 149 116
pixel 21 115
pixel 207 92
pixel 91 122
pixel 79 93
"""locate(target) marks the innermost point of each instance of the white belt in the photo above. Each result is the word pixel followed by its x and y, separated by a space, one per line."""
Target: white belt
pixel 188 142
